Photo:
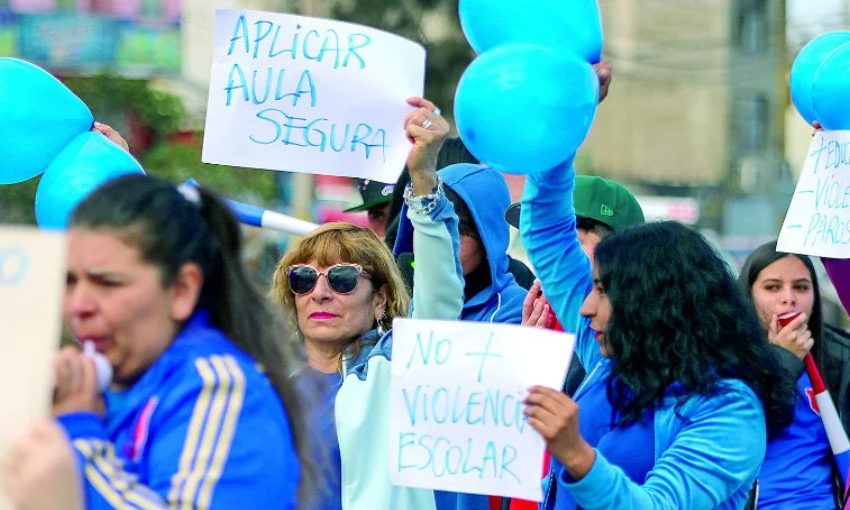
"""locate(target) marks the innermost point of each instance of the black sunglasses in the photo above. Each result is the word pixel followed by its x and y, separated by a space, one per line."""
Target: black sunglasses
pixel 342 278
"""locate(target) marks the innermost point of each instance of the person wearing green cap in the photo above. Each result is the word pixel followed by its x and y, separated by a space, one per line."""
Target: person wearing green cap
pixel 601 206
pixel 376 202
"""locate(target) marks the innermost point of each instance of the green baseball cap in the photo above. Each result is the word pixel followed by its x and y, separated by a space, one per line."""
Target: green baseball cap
pixel 599 199
pixel 374 194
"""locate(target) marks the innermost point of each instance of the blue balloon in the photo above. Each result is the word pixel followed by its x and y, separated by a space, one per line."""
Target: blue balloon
pixel 40 116
pixel 805 67
pixel 87 162
pixel 831 90
pixel 571 25
pixel 525 108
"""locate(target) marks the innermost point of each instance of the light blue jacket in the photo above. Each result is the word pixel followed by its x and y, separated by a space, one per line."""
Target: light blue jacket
pixel 708 451
pixel 363 404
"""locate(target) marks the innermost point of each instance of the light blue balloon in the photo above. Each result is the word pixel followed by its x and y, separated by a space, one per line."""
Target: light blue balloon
pixel 831 90
pixel 805 67
pixel 40 116
pixel 525 108
pixel 569 25
pixel 87 162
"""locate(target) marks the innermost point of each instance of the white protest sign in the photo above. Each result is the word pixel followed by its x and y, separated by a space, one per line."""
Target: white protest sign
pixel 818 219
pixel 32 279
pixel 457 421
pixel 310 95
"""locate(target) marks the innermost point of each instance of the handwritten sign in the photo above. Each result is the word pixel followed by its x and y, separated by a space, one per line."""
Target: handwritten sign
pixel 32 278
pixel 457 419
pixel 818 219
pixel 310 95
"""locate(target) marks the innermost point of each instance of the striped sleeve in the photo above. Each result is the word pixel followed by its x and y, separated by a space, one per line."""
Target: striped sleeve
pixel 188 444
pixel 210 432
pixel 112 485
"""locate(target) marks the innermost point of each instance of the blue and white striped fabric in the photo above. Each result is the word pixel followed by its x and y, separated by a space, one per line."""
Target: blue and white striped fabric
pixel 202 428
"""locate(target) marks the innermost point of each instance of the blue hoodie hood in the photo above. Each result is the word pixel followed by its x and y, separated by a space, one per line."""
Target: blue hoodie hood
pixel 486 195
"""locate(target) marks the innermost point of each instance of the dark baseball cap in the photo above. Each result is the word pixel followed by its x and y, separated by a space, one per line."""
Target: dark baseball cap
pixel 599 199
pixel 374 194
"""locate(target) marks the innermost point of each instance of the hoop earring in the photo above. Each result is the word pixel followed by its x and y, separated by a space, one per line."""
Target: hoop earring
pixel 380 320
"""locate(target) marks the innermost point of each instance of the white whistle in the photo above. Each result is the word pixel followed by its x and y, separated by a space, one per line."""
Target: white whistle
pixel 102 367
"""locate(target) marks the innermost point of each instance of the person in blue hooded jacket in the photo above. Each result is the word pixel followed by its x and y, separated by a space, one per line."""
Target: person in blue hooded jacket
pixel 480 197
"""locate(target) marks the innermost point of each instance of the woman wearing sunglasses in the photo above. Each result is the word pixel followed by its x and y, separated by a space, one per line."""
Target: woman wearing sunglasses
pixel 342 288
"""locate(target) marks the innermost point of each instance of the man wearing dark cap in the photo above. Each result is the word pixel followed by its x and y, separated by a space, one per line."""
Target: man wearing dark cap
pixel 376 202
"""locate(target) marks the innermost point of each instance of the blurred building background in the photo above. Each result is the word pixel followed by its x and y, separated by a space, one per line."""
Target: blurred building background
pixel 698 123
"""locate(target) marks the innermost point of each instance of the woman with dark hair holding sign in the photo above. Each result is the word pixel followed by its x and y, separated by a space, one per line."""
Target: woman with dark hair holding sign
pixel 676 366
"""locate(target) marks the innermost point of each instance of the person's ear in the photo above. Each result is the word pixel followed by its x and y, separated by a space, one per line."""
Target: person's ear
pixel 185 291
pixel 380 300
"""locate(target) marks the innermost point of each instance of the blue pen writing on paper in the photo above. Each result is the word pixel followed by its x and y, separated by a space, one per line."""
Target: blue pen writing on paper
pixel 484 355
pixel 268 70
pixel 14 266
pixel 829 222
pixel 830 154
pixel 275 40
pixel 259 91
pixel 442 457
pixel 827 229
pixel 481 403
pixel 427 350
pixel 320 134
pixel 488 407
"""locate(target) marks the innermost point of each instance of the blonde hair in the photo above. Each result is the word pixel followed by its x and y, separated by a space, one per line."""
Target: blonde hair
pixel 337 242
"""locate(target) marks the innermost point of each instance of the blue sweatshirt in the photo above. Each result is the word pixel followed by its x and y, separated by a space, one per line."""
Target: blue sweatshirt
pixel 486 195
pixel 696 465
pixel 203 427
pixel 797 470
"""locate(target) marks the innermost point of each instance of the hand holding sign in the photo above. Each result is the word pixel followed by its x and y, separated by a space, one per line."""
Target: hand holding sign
pixel 310 95
pixel 555 416
pixel 457 396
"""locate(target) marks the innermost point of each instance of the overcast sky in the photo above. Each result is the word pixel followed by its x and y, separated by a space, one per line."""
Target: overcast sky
pixel 807 18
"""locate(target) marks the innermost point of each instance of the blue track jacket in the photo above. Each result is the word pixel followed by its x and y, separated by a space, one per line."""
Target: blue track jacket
pixel 707 454
pixel 202 428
